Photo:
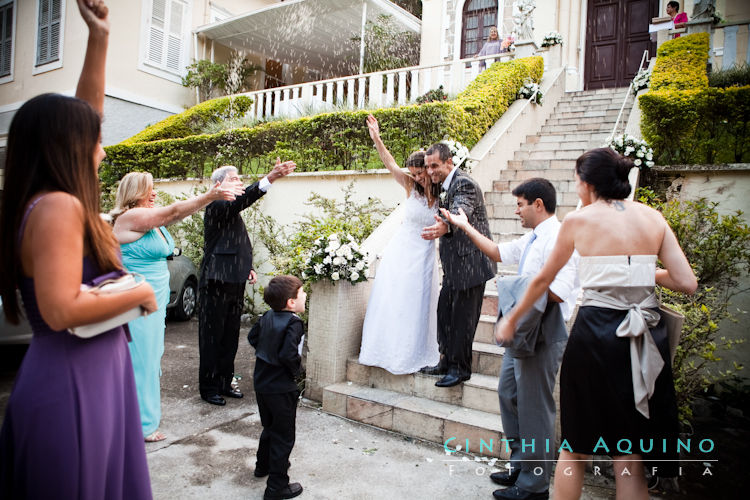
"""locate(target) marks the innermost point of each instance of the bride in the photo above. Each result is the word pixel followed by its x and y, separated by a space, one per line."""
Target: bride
pixel 400 328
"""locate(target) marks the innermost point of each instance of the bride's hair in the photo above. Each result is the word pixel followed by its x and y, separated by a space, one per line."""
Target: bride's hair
pixel 607 171
pixel 416 159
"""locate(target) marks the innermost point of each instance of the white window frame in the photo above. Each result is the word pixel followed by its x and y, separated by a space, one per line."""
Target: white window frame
pixel 157 70
pixel 43 68
pixel 9 77
pixel 217 13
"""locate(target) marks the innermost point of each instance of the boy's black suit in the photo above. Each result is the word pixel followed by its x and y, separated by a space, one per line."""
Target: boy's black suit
pixel 276 337
pixel 227 262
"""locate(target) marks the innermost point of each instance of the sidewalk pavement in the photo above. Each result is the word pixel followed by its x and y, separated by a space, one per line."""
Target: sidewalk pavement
pixel 210 450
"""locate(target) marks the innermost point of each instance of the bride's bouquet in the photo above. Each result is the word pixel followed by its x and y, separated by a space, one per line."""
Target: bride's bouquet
pixel 336 258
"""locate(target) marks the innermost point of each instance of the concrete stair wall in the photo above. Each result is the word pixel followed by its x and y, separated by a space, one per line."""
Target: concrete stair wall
pixel 411 404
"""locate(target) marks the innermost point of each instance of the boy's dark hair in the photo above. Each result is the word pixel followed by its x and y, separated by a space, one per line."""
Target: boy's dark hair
pixel 537 187
pixel 280 289
pixel 674 5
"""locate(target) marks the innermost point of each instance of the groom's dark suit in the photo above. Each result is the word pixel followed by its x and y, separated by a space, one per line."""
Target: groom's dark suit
pixel 465 271
pixel 227 262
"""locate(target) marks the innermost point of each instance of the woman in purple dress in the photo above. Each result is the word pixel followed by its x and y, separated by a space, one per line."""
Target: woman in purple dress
pixel 71 428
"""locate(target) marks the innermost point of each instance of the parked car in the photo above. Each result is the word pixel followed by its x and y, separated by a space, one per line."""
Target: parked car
pixel 183 294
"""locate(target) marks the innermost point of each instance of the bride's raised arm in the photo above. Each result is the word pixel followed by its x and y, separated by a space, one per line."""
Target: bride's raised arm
pixel 385 155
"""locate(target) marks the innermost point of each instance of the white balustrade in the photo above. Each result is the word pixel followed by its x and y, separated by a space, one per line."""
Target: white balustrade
pixel 402 86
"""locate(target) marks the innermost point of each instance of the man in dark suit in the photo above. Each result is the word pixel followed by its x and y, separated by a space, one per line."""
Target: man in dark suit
pixel 227 265
pixel 465 268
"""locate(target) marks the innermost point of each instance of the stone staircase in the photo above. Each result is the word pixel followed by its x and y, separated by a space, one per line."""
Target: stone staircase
pixel 469 412
pixel 580 121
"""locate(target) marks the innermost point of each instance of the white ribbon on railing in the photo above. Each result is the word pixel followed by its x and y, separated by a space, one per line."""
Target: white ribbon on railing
pixel 645 359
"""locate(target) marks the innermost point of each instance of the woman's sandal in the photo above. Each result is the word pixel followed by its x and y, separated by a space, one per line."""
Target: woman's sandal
pixel 155 437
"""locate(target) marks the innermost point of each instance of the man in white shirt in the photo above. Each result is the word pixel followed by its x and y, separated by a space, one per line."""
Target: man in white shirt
pixel 526 389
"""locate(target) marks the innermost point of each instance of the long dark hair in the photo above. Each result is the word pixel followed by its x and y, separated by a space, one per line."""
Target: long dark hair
pixel 607 171
pixel 416 160
pixel 51 146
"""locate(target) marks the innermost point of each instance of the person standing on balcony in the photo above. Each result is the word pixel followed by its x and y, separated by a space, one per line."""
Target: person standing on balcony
pixel 527 383
pixel 227 265
pixel 400 328
pixel 679 19
pixel 493 45
pixel 465 269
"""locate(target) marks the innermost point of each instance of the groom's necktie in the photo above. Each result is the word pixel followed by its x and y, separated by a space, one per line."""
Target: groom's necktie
pixel 525 253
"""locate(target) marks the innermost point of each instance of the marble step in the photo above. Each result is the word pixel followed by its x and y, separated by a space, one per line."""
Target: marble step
pixel 444 423
pixel 478 393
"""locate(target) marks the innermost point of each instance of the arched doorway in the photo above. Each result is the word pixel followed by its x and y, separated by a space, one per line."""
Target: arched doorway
pixel 478 17
pixel 616 36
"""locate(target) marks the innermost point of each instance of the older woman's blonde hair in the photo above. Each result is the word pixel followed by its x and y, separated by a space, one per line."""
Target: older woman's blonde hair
pixel 133 189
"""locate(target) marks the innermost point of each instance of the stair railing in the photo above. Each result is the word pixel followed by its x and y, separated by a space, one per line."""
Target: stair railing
pixel 644 59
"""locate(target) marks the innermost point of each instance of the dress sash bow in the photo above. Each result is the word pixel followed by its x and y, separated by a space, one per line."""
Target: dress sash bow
pixel 645 359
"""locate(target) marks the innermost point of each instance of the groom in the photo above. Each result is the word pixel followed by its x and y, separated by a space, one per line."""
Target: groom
pixel 465 267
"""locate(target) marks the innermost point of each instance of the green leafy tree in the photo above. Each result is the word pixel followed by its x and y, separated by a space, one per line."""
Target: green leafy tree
pixel 386 47
pixel 207 77
pixel 718 248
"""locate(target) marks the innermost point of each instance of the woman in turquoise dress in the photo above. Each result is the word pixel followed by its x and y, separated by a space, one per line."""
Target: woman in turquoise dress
pixel 146 243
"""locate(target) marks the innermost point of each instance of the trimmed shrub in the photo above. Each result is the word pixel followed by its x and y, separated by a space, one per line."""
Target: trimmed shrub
pixel 328 141
pixel 681 64
pixel 683 119
pixel 191 121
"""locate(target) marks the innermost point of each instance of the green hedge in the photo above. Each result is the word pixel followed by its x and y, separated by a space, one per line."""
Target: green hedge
pixel 328 141
pixel 193 120
pixel 683 119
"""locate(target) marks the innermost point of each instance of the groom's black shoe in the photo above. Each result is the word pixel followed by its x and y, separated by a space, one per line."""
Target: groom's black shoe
pixel 451 379
pixel 438 369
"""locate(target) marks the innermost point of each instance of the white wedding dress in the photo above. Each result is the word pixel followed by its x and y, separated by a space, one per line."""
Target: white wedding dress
pixel 400 328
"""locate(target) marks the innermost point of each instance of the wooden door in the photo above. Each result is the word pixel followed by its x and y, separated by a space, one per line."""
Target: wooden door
pixel 616 36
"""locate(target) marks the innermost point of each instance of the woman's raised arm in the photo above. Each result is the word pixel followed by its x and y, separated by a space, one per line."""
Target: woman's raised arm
pixel 385 155
pixel 91 82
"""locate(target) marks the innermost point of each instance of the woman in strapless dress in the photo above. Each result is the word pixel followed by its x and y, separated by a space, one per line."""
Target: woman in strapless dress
pixel 616 378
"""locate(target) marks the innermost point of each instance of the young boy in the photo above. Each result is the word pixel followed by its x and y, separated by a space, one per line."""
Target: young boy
pixel 276 338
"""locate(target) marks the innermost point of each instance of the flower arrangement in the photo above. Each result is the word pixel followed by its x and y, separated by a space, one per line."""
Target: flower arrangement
pixel 337 258
pixel 551 39
pixel 460 154
pixel 529 90
pixel 636 149
pixel 641 80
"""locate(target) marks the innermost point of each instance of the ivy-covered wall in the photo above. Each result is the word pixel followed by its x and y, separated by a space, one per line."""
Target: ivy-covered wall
pixel 684 120
pixel 328 141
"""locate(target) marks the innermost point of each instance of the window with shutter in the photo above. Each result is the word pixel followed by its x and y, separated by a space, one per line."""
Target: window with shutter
pixel 167 35
pixel 49 31
pixel 478 17
pixel 6 38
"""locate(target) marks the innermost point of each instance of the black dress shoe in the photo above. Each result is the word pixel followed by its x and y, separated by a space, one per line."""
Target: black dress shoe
pixel 450 380
pixel 214 399
pixel 434 370
pixel 289 491
pixel 516 493
pixel 232 393
pixel 504 478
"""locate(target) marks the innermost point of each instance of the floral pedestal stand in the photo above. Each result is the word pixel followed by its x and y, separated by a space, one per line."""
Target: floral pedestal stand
pixel 337 312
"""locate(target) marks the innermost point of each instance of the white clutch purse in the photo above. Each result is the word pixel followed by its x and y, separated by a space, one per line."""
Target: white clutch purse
pixel 114 284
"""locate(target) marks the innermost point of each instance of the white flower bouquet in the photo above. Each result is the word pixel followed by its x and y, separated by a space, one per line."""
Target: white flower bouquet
pixel 641 80
pixel 460 154
pixel 552 38
pixel 531 90
pixel 336 258
pixel 636 149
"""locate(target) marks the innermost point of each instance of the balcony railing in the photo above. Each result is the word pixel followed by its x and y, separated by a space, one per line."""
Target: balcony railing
pixel 370 90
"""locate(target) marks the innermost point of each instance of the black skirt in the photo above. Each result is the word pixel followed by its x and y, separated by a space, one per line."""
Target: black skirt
pixel 598 413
